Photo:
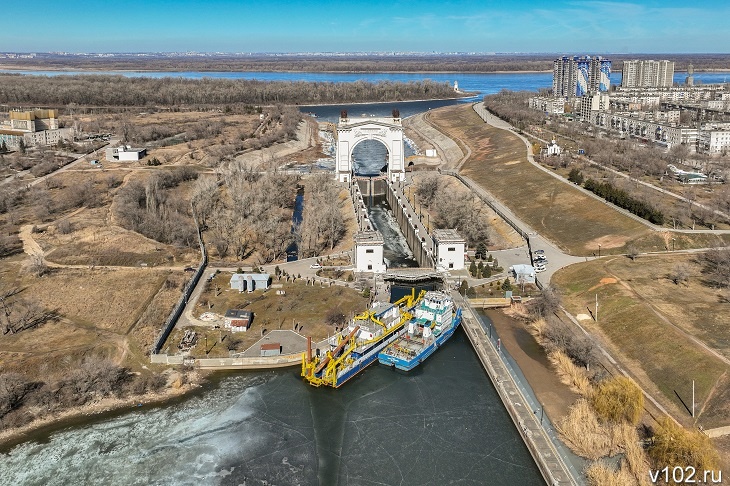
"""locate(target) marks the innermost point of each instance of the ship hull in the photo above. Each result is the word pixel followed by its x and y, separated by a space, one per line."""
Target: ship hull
pixel 366 360
pixel 409 364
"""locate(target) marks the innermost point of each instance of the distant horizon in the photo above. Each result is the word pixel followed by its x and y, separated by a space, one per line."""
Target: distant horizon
pixel 368 53
pixel 287 26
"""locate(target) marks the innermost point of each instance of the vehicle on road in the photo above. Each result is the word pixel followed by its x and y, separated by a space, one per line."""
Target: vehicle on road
pixel 315 265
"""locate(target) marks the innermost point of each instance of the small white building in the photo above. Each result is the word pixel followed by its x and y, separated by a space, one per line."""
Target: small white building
pixel 450 248
pixel 523 273
pixel 369 252
pixel 553 149
pixel 125 153
pixel 250 281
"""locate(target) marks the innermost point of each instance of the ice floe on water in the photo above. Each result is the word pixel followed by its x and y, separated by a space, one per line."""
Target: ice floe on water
pixel 204 440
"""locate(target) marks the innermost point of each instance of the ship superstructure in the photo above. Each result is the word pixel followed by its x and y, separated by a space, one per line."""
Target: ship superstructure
pixel 358 344
pixel 435 318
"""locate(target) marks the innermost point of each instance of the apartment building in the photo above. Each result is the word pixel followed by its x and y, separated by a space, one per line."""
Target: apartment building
pixel 647 74
pixel 577 76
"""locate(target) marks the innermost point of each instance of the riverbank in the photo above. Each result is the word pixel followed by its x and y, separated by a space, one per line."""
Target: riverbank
pixel 555 396
pixel 13 67
pixel 465 97
pixel 98 409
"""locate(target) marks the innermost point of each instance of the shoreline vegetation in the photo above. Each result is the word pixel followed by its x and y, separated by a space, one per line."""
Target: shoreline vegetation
pixel 328 62
pixel 11 437
pixel 119 91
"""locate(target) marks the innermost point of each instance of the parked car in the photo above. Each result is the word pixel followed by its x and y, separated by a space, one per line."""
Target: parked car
pixel 540 268
pixel 539 252
pixel 315 265
pixel 541 259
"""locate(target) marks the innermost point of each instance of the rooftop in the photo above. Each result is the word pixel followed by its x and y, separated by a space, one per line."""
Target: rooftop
pixel 238 314
pixel 369 238
pixel 447 236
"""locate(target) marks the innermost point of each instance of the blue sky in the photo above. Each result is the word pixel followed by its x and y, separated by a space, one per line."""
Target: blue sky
pixel 425 26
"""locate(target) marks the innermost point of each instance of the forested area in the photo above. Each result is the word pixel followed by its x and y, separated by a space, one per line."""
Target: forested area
pixel 323 224
pixel 345 62
pixel 250 215
pixel 465 214
pixel 120 91
pixel 623 200
pixel 153 208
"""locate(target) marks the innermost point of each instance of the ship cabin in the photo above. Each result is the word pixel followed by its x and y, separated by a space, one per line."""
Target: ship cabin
pixel 433 313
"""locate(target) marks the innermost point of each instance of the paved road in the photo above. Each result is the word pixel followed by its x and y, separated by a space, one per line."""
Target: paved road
pixel 499 123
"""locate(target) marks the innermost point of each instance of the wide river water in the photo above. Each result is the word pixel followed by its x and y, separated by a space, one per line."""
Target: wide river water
pixel 443 423
pixel 440 424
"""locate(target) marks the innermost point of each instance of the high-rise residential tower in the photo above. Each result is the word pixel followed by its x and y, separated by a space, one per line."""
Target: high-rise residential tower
pixel 577 76
pixel 647 74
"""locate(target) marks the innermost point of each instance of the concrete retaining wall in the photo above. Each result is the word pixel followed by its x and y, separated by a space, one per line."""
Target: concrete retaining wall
pixel 401 208
pixel 180 306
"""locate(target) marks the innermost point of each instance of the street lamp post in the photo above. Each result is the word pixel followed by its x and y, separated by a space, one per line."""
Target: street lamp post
pixel 672 244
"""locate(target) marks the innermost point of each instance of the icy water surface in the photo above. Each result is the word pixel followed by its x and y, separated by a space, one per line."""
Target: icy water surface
pixel 438 425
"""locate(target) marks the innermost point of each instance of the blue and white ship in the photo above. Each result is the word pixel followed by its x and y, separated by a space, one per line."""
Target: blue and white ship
pixel 434 321
pixel 355 347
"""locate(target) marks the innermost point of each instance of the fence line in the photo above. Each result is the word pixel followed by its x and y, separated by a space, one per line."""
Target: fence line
pixel 189 288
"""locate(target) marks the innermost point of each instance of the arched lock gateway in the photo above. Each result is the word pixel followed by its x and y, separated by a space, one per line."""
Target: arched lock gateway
pixel 352 131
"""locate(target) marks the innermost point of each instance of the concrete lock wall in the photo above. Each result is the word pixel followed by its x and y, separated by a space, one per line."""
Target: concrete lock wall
pixel 407 227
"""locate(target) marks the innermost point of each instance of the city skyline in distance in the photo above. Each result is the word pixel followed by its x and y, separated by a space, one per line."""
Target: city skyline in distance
pixel 225 26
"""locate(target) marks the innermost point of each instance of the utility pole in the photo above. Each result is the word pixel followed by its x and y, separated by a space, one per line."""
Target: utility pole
pixel 693 398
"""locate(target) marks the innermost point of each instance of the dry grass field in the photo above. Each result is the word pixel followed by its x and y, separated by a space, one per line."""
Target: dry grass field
pixel 303 304
pixel 103 314
pixel 573 220
pixel 647 319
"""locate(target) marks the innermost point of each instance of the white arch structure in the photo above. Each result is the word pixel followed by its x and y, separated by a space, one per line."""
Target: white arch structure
pixel 388 131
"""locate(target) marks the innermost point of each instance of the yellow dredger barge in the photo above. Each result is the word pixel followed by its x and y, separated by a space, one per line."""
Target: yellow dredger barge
pixel 358 345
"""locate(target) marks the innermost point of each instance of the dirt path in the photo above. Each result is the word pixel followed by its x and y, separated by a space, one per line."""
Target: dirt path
pixel 30 245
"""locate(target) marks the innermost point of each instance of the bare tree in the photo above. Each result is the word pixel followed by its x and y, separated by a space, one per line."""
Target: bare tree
pixel 679 274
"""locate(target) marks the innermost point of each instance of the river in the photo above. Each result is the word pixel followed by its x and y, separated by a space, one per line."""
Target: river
pixel 443 423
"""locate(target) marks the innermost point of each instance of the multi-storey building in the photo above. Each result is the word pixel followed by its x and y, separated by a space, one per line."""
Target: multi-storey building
pixel 714 139
pixel 577 76
pixel 647 74
pixel 551 106
pixel 592 104
pixel 33 127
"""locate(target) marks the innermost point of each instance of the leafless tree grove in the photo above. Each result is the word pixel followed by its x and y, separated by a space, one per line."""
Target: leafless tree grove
pixel 323 224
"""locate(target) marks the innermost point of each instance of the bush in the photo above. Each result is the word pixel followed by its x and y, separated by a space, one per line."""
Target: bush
pixel 623 200
pixel 619 399
pixel 675 446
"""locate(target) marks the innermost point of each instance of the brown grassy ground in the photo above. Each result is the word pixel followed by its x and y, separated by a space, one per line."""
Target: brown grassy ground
pixel 574 221
pixel 304 304
pixel 637 307
pixel 98 309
